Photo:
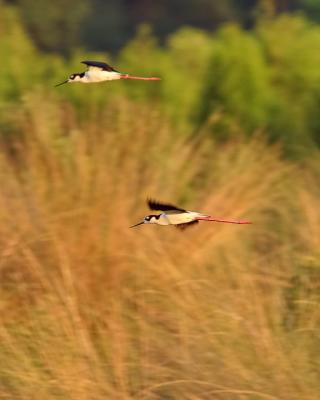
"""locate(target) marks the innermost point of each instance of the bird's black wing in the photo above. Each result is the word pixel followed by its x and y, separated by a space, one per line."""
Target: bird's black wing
pixel 186 225
pixel 98 64
pixel 155 205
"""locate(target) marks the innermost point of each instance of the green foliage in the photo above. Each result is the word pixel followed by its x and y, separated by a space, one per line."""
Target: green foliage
pixel 312 8
pixel 290 45
pixel 54 25
pixel 267 79
pixel 187 56
pixel 237 80
pixel 108 25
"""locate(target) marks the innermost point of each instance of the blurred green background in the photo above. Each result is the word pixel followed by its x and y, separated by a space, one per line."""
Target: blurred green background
pixel 90 309
pixel 254 63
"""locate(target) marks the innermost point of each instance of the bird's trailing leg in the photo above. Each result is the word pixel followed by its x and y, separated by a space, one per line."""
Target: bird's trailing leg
pixel 139 78
pixel 226 221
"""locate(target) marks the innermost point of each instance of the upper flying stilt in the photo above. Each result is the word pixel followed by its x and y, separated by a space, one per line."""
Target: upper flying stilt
pixel 179 217
pixel 99 72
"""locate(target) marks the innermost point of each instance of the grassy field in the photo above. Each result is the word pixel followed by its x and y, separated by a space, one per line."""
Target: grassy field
pixel 91 309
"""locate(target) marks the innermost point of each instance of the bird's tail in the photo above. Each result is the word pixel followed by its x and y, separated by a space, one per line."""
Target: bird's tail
pixel 226 221
pixel 139 78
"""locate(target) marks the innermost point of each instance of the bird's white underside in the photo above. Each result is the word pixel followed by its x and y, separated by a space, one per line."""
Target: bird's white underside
pixel 178 218
pixel 97 75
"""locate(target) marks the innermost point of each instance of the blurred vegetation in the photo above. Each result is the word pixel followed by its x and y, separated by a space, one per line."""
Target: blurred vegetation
pixel 266 79
pixel 90 309
pixel 108 25
pixel 55 26
pixel 93 309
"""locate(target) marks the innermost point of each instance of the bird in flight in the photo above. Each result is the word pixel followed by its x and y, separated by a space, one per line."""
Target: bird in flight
pixel 172 215
pixel 99 72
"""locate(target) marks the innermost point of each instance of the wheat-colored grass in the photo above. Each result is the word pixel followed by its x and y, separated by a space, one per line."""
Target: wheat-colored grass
pixel 91 309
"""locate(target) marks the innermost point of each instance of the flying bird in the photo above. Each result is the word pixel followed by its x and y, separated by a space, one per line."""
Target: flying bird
pixel 172 215
pixel 99 72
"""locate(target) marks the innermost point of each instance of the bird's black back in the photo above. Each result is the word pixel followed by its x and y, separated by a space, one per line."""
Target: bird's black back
pixel 99 64
pixel 155 205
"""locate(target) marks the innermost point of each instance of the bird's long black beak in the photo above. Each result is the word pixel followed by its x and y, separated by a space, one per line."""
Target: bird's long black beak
pixel 140 223
pixel 62 83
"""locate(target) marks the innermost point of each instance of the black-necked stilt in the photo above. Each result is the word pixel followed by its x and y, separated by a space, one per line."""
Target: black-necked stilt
pixel 99 72
pixel 179 217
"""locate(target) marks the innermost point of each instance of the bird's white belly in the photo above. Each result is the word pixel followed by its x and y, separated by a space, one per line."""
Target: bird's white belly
pixel 100 76
pixel 176 219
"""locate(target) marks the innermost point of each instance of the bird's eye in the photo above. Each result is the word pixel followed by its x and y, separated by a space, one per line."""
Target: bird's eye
pixel 147 218
pixel 71 76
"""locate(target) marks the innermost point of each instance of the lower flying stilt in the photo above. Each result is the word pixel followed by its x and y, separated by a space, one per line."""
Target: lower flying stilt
pixel 99 72
pixel 179 217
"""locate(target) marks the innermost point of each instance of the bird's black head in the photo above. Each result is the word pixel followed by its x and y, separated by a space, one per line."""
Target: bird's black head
pixel 76 77
pixel 73 78
pixel 149 219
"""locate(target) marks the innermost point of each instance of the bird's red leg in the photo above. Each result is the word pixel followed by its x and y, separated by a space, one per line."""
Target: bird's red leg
pixel 139 78
pixel 226 221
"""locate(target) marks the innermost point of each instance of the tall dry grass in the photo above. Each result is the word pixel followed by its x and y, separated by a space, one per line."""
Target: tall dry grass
pixel 93 310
